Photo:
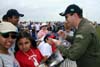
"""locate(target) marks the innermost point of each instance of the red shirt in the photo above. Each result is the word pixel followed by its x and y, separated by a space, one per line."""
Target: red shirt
pixel 53 47
pixel 29 58
pixel 53 44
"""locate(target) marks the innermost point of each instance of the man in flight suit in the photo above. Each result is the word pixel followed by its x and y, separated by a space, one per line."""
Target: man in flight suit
pixel 85 49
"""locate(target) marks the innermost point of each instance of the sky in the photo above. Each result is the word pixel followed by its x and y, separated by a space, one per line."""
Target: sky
pixel 48 10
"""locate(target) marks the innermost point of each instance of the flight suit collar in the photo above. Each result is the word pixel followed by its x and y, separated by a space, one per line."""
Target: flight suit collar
pixel 81 22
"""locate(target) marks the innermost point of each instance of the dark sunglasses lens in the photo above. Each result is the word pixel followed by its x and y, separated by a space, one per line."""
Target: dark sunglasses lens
pixel 13 36
pixel 5 35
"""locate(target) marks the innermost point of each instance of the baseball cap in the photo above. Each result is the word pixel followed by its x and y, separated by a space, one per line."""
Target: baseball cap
pixel 71 9
pixel 6 27
pixel 14 12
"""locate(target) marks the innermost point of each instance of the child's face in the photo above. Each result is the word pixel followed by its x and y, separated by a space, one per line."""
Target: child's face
pixel 7 40
pixel 24 44
pixel 49 40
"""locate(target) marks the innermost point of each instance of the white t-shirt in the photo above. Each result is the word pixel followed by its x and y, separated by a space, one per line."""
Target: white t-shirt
pixel 71 33
pixel 37 26
pixel 8 60
pixel 45 49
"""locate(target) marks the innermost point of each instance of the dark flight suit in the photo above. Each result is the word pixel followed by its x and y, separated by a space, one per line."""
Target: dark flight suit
pixel 85 49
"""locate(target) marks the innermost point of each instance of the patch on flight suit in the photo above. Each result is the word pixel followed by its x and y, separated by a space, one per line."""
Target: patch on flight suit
pixel 79 36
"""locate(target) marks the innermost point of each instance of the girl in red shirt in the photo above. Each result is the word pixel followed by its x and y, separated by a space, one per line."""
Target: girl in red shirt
pixel 27 53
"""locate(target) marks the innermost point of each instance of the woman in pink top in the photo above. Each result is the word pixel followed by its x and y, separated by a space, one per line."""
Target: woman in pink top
pixel 43 31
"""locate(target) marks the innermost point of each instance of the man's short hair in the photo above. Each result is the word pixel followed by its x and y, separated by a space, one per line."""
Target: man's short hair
pixel 4 18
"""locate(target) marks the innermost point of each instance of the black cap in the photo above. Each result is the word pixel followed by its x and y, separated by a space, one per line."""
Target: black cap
pixel 72 9
pixel 14 12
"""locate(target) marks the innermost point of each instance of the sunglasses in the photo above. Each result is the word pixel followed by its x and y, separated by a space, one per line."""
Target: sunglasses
pixel 7 35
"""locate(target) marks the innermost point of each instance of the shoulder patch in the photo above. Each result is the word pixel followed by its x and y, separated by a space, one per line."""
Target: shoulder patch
pixel 79 36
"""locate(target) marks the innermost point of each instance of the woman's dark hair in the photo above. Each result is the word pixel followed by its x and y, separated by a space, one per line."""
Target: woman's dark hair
pixel 23 34
pixel 46 37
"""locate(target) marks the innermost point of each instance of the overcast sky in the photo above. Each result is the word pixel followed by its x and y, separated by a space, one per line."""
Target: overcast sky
pixel 48 10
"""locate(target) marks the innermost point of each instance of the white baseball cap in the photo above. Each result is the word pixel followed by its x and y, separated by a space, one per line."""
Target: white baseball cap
pixel 43 24
pixel 7 27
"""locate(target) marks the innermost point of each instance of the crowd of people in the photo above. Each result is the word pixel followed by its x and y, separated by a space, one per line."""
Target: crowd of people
pixel 73 43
